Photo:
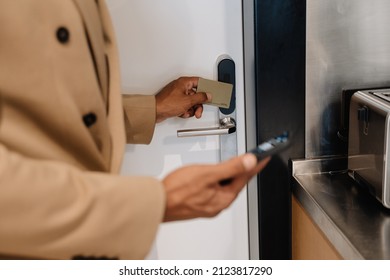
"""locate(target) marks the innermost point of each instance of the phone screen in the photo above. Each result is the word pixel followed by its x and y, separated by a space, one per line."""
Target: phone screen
pixel 271 146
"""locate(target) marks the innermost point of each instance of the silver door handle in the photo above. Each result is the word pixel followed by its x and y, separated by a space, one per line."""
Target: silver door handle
pixel 227 125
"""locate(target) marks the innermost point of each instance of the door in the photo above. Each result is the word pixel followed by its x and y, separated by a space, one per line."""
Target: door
pixel 160 41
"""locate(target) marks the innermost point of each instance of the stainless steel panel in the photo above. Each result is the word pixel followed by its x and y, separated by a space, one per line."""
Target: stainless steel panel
pixel 355 223
pixel 348 46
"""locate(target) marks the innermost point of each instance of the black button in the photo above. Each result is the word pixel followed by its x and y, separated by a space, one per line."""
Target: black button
pixel 89 119
pixel 63 35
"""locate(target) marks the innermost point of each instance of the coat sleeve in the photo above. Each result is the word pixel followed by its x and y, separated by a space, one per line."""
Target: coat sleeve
pixel 140 118
pixel 51 210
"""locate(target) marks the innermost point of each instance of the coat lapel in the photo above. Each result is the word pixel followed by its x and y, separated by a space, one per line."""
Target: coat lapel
pixel 97 21
pixel 115 116
pixel 94 29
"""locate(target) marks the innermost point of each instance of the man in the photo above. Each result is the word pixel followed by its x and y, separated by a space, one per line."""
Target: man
pixel 62 138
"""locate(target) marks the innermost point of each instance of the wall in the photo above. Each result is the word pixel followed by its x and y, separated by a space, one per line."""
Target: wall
pixel 348 46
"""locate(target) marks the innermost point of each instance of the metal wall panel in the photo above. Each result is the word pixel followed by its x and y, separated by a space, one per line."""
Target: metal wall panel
pixel 348 46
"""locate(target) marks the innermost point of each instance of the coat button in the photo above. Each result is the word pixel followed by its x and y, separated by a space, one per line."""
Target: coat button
pixel 89 119
pixel 63 35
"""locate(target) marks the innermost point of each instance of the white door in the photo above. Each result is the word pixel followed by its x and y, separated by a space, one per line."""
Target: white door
pixel 158 42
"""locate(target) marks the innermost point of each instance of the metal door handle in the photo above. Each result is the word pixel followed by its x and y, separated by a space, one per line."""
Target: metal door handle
pixel 227 125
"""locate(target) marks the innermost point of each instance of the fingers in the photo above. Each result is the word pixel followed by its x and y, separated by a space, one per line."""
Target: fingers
pixel 193 191
pixel 188 114
pixel 179 98
pixel 242 163
pixel 199 98
pixel 195 101
pixel 198 111
pixel 235 173
pixel 233 167
pixel 189 82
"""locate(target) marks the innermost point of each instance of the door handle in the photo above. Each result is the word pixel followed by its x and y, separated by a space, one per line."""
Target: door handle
pixel 227 125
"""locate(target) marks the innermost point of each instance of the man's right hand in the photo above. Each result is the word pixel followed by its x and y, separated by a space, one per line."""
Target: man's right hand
pixel 180 99
pixel 195 191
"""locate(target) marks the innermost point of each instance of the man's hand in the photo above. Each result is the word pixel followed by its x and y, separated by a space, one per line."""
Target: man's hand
pixel 195 191
pixel 180 99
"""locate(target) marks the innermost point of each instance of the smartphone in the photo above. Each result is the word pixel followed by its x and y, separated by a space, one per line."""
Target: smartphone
pixel 271 146
pixel 268 148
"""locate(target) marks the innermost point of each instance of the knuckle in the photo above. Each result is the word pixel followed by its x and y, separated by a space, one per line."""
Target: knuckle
pixel 237 166
pixel 212 212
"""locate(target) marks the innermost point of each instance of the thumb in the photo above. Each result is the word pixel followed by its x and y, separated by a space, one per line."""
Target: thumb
pixel 200 98
pixel 236 166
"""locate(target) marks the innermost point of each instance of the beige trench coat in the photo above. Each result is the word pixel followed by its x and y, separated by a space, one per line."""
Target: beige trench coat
pixel 62 137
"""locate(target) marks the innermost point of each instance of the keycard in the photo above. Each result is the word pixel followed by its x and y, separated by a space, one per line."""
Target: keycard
pixel 221 92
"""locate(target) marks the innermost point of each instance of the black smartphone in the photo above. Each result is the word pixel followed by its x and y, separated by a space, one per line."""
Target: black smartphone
pixel 268 148
pixel 271 146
